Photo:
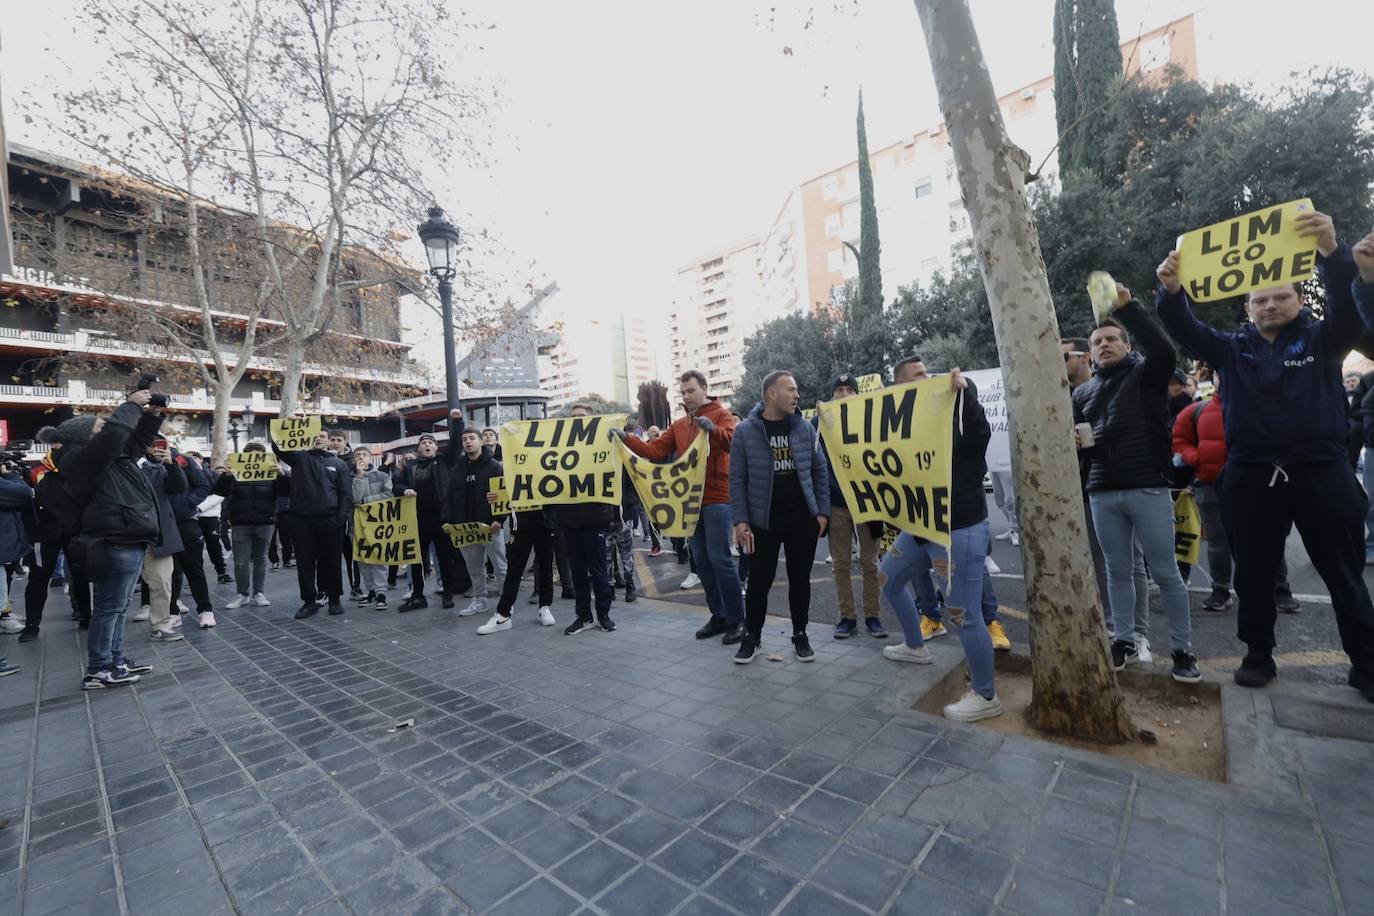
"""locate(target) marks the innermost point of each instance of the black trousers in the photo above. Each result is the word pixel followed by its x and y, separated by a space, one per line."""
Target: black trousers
pixel 189 566
pixel 42 562
pixel 453 574
pixel 355 575
pixel 281 534
pixel 209 534
pixel 589 560
pixel 317 539
pixel 798 539
pixel 1328 506
pixel 538 541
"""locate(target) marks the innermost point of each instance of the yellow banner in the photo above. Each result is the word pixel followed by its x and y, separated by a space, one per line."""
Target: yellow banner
pixel 295 434
pixel 671 493
pixel 386 532
pixel 871 382
pixel 561 462
pixel 1253 251
pixel 809 414
pixel 251 467
pixel 500 508
pixel 1187 529
pixel 891 451
pixel 468 534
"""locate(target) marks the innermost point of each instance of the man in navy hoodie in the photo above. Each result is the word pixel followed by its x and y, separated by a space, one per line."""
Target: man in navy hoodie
pixel 1286 462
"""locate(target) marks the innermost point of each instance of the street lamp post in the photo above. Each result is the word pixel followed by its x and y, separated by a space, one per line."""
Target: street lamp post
pixel 234 430
pixel 247 428
pixel 441 248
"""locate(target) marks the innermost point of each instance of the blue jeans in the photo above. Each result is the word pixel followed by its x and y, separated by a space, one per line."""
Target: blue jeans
pixel 105 639
pixel 928 597
pixel 968 548
pixel 1145 516
pixel 716 565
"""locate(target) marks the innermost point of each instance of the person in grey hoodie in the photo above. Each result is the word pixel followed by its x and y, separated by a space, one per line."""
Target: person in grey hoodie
pixel 779 499
pixel 369 485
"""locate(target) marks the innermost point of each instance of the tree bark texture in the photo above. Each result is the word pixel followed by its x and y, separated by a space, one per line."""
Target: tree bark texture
pixel 1075 690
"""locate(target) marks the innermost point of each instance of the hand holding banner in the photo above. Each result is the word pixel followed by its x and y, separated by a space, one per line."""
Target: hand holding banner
pixel 561 461
pixel 252 467
pixel 386 532
pixel 1249 252
pixel 671 493
pixel 295 434
pixel 891 452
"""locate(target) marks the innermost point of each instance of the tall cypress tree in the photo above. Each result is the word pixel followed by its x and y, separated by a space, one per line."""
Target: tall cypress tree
pixel 870 275
pixel 1087 66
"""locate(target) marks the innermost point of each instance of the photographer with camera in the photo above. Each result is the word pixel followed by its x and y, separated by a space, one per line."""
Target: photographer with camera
pixel 119 521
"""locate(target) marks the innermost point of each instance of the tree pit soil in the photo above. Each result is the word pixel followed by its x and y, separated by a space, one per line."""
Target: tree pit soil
pixel 1185 720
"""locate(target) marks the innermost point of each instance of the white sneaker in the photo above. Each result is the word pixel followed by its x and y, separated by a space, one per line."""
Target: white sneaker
pixel 260 600
pixel 972 707
pixel 692 581
pixel 496 624
pixel 546 616
pixel 1003 536
pixel 182 608
pixel 175 622
pixel 1016 539
pixel 1143 655
pixel 238 602
pixel 166 636
pixel 829 560
pixel 207 620
pixel 990 566
pixel 143 613
pixel 9 625
pixel 478 606
pixel 901 652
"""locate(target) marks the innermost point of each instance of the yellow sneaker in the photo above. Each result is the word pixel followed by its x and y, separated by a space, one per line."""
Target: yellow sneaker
pixel 932 628
pixel 1000 642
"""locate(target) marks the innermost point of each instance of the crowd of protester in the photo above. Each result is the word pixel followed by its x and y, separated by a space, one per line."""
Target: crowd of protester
pixel 1264 430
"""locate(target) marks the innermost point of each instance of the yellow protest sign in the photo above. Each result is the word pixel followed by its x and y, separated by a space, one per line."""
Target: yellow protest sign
pixel 888 539
pixel 295 434
pixel 871 382
pixel 252 467
pixel 386 532
pixel 671 493
pixel 500 508
pixel 891 453
pixel 1253 251
pixel 809 414
pixel 1187 529
pixel 561 461
pixel 469 534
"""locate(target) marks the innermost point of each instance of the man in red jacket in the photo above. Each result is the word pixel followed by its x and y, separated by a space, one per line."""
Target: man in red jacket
pixel 1200 441
pixel 710 543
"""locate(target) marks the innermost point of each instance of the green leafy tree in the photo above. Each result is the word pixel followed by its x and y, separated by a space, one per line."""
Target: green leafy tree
pixel 948 323
pixel 870 273
pixel 801 344
pixel 1087 69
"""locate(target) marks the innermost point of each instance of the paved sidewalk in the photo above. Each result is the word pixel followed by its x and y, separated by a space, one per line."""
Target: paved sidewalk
pixel 636 772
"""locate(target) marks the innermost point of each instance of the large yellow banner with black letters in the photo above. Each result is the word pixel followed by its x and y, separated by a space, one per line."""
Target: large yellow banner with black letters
pixel 561 461
pixel 891 451
pixel 1253 251
pixel 386 531
pixel 671 492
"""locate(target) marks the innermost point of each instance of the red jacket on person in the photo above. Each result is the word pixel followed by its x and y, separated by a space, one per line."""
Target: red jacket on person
pixel 678 437
pixel 1200 437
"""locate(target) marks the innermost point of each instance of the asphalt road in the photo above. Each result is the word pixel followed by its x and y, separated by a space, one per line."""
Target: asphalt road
pixel 1309 647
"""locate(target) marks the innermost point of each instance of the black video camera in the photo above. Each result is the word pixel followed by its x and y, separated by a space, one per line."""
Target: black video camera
pixel 146 381
pixel 13 457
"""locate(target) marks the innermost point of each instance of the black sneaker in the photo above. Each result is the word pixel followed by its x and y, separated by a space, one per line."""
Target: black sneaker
pixel 534 598
pixel 132 667
pixel 578 625
pixel 713 627
pixel 361 598
pixel 748 648
pixel 568 594
pixel 606 623
pixel 733 636
pixel 356 593
pixel 1285 602
pixel 1219 600
pixel 309 609
pixel 1123 653
pixel 846 628
pixel 802 645
pixel 875 628
pixel 107 677
pixel 288 564
pixel 28 634
pixel 629 593
pixel 1361 682
pixel 335 609
pixel 1256 671
pixel 225 578
pixel 379 602
pixel 57 582
pixel 1185 667
pixel 414 603
pixel 448 601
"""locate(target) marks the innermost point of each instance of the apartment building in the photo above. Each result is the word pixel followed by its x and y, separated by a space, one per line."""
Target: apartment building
pixel 84 251
pixel 604 356
pixel 718 301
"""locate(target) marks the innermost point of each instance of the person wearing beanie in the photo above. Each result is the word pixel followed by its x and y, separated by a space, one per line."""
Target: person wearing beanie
pixel 119 521
pixel 427 478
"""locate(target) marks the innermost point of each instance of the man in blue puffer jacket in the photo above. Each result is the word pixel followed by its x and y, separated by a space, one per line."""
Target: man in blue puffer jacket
pixel 779 498
pixel 1286 462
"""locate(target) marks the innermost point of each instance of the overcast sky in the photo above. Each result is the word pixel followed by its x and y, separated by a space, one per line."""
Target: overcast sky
pixel 634 134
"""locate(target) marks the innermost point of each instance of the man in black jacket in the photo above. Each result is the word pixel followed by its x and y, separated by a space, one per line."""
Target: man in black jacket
pixel 189 563
pixel 1129 462
pixel 251 509
pixel 118 521
pixel 427 479
pixel 321 505
pixel 467 503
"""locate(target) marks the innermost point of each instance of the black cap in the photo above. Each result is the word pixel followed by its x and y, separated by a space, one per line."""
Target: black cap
pixel 844 380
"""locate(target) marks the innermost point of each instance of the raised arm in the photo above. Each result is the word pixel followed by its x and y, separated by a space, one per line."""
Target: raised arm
pixel 1161 356
pixel 1176 314
pixel 1362 286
